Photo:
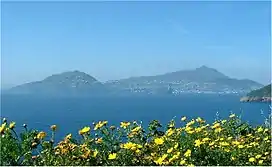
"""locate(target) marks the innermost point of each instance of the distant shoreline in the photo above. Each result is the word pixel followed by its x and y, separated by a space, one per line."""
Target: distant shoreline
pixel 256 99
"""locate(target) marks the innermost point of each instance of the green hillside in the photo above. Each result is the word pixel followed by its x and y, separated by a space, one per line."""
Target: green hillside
pixel 263 92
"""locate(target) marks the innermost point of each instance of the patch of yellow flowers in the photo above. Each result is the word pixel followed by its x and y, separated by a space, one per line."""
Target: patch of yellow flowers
pixel 192 143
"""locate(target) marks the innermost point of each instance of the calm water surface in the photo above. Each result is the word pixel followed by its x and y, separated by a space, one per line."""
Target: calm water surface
pixel 70 114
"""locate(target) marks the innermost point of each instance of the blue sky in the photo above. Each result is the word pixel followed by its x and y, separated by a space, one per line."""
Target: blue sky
pixel 113 40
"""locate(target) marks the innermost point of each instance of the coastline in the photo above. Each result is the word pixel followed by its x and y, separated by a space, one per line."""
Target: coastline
pixel 255 99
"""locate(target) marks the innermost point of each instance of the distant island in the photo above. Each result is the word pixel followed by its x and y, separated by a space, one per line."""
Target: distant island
pixel 259 95
pixel 199 80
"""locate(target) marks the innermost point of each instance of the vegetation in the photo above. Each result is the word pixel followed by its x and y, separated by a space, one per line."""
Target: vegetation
pixel 263 92
pixel 187 142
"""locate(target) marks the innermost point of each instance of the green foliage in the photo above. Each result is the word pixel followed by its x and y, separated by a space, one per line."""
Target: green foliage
pixel 226 142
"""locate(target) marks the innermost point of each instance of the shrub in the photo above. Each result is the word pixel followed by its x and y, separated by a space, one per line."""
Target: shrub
pixel 225 142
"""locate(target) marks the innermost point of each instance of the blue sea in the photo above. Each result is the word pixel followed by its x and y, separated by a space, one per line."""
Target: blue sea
pixel 71 114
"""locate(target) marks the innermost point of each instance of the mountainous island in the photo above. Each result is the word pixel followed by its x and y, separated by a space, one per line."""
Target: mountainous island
pixel 73 83
pixel 259 95
pixel 199 80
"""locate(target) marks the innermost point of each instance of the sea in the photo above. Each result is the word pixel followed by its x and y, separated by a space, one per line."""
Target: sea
pixel 71 114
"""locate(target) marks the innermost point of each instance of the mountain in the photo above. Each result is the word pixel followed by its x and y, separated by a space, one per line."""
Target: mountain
pixel 73 83
pixel 202 79
pixel 260 95
pixel 199 80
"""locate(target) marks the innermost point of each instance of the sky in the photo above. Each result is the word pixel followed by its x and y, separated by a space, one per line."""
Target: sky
pixel 114 40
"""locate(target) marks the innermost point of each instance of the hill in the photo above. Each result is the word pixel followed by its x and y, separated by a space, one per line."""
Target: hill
pixel 262 94
pixel 202 79
pixel 73 83
pixel 199 80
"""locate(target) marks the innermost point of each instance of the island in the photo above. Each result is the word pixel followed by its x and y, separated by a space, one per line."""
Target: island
pixel 200 80
pixel 259 95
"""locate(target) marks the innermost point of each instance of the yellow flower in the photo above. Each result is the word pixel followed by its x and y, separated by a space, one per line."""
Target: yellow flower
pixel 205 139
pixel 198 129
pixel 54 127
pixel 240 146
pixel 197 143
pixel 176 146
pixel 249 135
pixel 199 120
pixel 41 135
pixel 99 141
pixel 137 129
pixel 176 156
pixel 172 125
pixel 251 159
pixel 211 144
pixel 86 154
pixel 266 153
pixel 248 146
pixel 258 156
pixel 190 123
pixel 260 162
pixel 160 160
pixel 169 132
pixel 95 153
pixel 12 125
pixel 258 138
pixel 224 144
pixel 170 150
pixel 2 128
pixel 188 153
pixel 218 130
pixel 191 132
pixel 235 142
pixel 112 156
pixel 124 124
pixel 131 146
pixel 182 162
pixel 183 118
pixel 229 138
pixel 233 158
pixel 100 124
pixel 84 130
pixel 139 146
pixel 216 125
pixel 159 141
pixel 260 129
pixel 68 137
pixel 266 138
pixel 232 115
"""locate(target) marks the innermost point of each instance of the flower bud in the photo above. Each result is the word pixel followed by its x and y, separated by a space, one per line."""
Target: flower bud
pixel 34 145
pixel 112 127
pixel 4 120
pixel 54 127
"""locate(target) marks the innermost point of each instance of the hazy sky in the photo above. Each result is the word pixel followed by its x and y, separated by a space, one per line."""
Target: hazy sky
pixel 113 40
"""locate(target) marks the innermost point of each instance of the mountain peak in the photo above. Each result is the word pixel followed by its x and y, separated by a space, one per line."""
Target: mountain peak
pixel 203 67
pixel 71 77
